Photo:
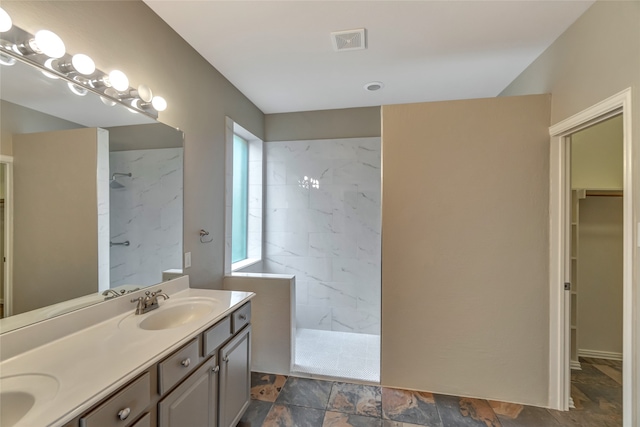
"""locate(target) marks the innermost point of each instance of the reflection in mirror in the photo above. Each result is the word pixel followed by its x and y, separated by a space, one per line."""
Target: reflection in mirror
pixel 91 198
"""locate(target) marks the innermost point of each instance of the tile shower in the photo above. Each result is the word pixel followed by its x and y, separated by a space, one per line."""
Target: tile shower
pixel 322 223
pixel 147 212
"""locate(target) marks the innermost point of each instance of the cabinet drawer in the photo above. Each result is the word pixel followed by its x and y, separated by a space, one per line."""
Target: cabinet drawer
pixel 143 422
pixel 214 337
pixel 124 407
pixel 177 366
pixel 240 317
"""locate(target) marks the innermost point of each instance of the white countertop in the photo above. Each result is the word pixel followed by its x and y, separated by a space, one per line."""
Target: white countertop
pixel 95 361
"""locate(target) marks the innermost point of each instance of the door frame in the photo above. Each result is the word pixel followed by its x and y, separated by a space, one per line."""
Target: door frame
pixel 8 235
pixel 559 198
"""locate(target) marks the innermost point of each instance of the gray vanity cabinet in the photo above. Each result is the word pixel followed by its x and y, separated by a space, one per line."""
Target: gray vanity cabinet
pixel 204 383
pixel 192 403
pixel 235 378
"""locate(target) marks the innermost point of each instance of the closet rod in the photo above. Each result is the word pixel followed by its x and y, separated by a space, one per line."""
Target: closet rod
pixel 595 193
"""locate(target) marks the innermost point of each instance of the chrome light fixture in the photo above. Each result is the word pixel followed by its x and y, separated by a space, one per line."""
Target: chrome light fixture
pixel 115 79
pixel 77 89
pixel 44 42
pixel 158 103
pixel 80 63
pixel 7 60
pixel 47 51
pixel 142 93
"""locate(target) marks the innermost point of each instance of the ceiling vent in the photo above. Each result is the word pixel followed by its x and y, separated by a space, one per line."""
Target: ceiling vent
pixel 349 40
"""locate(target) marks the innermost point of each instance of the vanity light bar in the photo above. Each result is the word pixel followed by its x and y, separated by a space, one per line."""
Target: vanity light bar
pixel 47 51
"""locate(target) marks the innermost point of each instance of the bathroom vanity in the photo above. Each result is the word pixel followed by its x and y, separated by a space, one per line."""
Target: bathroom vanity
pixel 186 363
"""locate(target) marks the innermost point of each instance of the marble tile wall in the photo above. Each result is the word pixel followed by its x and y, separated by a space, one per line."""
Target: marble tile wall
pixel 322 223
pixel 148 213
pixel 254 232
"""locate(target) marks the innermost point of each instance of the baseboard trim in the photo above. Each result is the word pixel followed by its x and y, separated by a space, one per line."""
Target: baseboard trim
pixel 575 365
pixel 596 354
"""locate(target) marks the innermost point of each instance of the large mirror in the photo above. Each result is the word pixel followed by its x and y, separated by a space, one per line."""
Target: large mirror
pixel 91 197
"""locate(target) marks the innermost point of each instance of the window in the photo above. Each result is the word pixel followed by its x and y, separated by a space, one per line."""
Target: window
pixel 243 199
pixel 240 203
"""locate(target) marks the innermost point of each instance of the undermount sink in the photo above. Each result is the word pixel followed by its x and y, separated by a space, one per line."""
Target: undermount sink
pixel 171 314
pixel 19 394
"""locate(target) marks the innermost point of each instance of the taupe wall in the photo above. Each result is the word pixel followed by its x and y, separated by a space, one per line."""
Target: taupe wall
pixel 323 124
pixel 600 275
pixel 17 119
pixel 127 35
pixel 55 205
pixel 465 247
pixel 272 319
pixel 597 156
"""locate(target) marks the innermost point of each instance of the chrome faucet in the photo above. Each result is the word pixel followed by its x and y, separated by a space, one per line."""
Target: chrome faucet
pixel 149 301
pixel 115 294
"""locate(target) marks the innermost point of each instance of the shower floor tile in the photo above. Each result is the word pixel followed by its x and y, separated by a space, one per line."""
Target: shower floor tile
pixel 338 354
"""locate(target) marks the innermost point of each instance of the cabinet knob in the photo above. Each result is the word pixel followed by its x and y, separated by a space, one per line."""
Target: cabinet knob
pixel 216 369
pixel 124 414
pixel 186 362
pixel 225 359
pixel 243 317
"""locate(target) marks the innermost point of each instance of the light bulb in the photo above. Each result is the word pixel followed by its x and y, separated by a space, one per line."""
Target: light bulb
pixel 145 94
pixel 159 103
pixel 49 64
pixel 118 80
pixel 5 21
pixel 7 60
pixel 49 43
pixel 83 64
pixel 136 103
pixel 111 92
pixel 78 90
pixel 108 102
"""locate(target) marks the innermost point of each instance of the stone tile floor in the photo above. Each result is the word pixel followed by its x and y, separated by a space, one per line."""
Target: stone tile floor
pixel 278 401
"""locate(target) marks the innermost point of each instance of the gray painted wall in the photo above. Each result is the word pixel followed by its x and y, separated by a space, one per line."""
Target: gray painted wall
pixel 323 124
pixel 127 35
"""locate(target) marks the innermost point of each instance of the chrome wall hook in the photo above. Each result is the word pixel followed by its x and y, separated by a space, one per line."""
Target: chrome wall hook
pixel 203 234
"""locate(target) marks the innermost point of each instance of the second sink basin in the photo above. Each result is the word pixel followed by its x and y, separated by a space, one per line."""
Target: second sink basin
pixel 20 393
pixel 172 314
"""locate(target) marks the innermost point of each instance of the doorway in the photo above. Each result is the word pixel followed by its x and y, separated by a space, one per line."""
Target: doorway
pixel 6 234
pixel 560 254
pixel 596 176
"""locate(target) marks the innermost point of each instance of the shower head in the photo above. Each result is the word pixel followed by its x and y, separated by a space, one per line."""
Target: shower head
pixel 115 184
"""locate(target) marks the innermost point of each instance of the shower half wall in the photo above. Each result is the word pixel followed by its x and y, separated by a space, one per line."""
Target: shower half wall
pixel 322 224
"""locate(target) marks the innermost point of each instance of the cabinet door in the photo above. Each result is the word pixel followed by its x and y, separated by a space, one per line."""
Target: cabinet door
pixel 235 378
pixel 192 403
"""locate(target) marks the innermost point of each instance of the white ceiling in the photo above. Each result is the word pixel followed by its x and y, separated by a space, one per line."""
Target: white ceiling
pixel 280 55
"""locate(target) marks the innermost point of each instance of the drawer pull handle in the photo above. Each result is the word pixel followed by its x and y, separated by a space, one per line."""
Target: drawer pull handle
pixel 243 317
pixel 225 359
pixel 216 369
pixel 186 362
pixel 124 413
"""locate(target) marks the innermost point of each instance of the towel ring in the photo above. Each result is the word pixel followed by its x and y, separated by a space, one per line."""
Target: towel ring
pixel 204 233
